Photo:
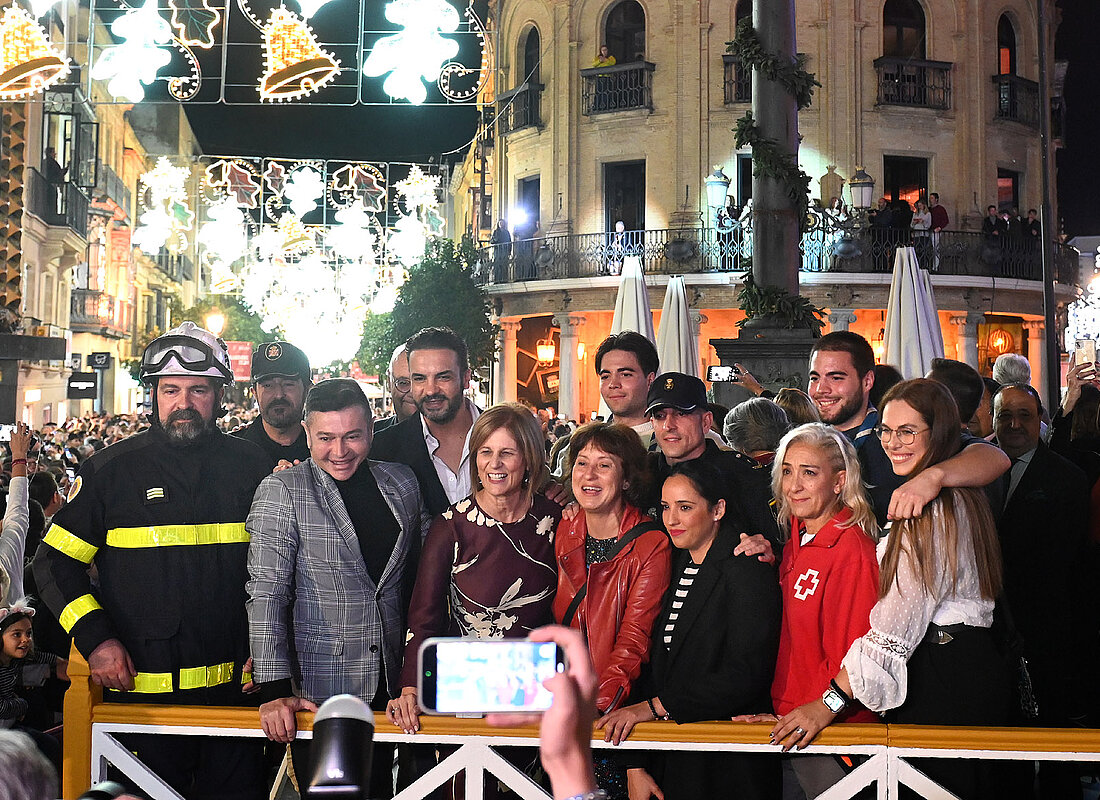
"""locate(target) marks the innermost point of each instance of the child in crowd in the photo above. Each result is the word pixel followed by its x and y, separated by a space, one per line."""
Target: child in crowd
pixel 16 652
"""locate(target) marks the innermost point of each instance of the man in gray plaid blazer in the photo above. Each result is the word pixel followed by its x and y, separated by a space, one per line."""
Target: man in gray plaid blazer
pixel 334 547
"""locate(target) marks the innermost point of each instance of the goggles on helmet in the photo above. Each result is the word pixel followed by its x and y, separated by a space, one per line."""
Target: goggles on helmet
pixel 192 357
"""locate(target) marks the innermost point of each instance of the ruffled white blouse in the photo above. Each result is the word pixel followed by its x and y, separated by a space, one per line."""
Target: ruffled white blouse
pixel 876 662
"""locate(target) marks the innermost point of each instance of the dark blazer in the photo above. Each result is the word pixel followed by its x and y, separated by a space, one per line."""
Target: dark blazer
pixel 403 443
pixel 1043 533
pixel 721 663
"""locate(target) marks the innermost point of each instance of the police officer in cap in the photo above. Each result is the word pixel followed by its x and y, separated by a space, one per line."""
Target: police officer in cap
pixel 280 379
pixel 161 516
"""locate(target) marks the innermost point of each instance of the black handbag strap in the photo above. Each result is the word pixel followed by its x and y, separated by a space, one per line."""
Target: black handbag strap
pixel 619 546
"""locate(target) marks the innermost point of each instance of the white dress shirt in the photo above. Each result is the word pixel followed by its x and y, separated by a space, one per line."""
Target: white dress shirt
pixel 456 486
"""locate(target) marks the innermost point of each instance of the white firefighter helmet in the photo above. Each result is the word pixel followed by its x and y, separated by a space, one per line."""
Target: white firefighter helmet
pixel 189 351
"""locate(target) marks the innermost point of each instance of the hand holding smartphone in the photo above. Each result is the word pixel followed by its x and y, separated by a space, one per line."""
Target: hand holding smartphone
pixel 1085 353
pixel 478 676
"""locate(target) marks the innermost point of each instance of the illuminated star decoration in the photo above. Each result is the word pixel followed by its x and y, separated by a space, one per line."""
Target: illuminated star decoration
pixel 420 194
pixel 415 55
pixel 131 66
pixel 225 236
pixel 303 190
pixel 168 215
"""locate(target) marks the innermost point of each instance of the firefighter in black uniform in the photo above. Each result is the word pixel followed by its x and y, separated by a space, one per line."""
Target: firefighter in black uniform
pixel 161 516
pixel 280 379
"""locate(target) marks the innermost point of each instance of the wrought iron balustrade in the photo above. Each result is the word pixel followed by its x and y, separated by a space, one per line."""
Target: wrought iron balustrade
pixel 830 245
pixel 110 185
pixel 617 88
pixel 736 80
pixel 1017 99
pixel 519 108
pixel 60 204
pixel 911 82
pixel 93 311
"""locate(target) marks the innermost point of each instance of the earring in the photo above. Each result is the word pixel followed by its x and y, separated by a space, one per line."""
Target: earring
pixel 526 477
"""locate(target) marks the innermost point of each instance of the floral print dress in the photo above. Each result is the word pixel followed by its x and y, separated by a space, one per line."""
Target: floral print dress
pixel 482 578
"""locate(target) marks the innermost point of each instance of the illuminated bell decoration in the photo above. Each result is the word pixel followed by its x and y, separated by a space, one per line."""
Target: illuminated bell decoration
pixel 545 350
pixel 296 239
pixel 29 64
pixel 1000 341
pixel 294 65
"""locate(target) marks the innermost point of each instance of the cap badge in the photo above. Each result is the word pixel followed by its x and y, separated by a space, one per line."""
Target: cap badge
pixel 668 384
pixel 273 351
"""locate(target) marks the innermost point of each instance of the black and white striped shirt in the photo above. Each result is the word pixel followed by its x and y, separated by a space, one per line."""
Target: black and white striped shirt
pixel 687 578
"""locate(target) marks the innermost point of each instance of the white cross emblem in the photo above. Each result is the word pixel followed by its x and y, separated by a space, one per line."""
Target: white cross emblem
pixel 806 584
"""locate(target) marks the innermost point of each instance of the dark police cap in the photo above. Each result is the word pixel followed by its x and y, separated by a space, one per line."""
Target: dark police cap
pixel 676 390
pixel 279 358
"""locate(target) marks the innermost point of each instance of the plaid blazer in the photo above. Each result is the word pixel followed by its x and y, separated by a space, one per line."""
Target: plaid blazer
pixel 314 613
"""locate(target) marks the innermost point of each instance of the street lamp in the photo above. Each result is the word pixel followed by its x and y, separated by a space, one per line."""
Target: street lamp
pixel 862 187
pixel 717 184
pixel 215 322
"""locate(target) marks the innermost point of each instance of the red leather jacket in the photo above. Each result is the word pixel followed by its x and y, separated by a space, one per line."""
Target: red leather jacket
pixel 623 600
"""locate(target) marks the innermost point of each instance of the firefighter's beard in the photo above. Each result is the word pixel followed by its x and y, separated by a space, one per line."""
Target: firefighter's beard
pixel 184 426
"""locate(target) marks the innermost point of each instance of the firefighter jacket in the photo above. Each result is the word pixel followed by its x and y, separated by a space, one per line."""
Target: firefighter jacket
pixel 164 526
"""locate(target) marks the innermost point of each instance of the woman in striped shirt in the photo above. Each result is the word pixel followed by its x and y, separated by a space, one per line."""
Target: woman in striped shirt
pixel 714 647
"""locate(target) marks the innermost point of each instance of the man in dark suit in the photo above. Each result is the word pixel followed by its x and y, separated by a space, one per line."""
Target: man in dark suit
pixel 1043 538
pixel 434 442
pixel 400 388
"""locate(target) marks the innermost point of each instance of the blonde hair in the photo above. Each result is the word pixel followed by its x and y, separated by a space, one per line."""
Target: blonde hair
pixel 842 457
pixel 524 427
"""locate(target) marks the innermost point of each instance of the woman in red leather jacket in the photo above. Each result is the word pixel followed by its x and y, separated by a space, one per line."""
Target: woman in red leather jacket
pixel 613 566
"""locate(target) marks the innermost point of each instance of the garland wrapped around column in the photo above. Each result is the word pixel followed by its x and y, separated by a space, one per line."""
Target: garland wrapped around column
pixel 768 160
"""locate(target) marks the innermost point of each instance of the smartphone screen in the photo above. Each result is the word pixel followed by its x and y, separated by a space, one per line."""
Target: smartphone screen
pixel 720 374
pixel 6 432
pixel 459 676
pixel 1085 352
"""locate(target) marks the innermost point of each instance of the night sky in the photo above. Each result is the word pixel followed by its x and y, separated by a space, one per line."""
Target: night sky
pixel 404 133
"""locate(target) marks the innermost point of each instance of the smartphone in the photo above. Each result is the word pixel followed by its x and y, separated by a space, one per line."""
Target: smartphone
pixel 1085 352
pixel 478 676
pixel 5 432
pixel 720 374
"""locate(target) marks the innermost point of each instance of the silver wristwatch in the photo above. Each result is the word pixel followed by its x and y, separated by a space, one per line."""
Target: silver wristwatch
pixel 834 700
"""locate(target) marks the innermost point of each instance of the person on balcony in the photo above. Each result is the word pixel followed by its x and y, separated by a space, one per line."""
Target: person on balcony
pixel 602 101
pixel 921 227
pixel 940 221
pixel 54 174
pixel 501 242
pixel 603 58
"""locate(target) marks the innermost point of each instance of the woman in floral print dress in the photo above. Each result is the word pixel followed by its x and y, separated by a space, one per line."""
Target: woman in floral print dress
pixel 487 569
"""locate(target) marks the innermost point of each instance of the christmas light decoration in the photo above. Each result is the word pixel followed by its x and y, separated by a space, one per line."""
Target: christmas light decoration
pixel 303 189
pixel 28 63
pixel 295 238
pixel 39 8
pixel 407 241
pixel 195 21
pixel 415 55
pixel 351 239
pixel 452 69
pixel 131 66
pixel 311 7
pixel 168 215
pixel 225 236
pixel 294 65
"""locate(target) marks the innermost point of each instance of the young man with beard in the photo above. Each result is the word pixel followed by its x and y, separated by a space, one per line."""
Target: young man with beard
pixel 280 378
pixel 842 372
pixel 435 441
pixel 161 516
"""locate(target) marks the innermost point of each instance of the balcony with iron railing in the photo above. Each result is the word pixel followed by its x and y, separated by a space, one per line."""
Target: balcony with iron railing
pixel 176 267
pixel 520 108
pixel 109 186
pixel 618 88
pixel 914 83
pixel 93 311
pixel 826 248
pixel 1017 99
pixel 60 204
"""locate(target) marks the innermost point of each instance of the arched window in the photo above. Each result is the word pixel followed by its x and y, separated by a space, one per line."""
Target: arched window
pixel 624 34
pixel 1006 46
pixel 903 29
pixel 532 45
pixel 742 10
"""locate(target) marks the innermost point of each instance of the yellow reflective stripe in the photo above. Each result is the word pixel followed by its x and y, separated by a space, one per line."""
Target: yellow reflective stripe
pixel 200 677
pixel 246 677
pixel 74 611
pixel 172 535
pixel 153 682
pixel 69 544
pixel 190 678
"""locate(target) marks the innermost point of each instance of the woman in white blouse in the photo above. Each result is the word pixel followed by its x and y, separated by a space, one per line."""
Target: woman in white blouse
pixel 922 237
pixel 929 657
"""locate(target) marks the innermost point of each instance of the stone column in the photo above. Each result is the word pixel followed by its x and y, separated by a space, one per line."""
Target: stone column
pixel 968 323
pixel 698 318
pixel 569 376
pixel 1036 354
pixel 840 319
pixel 506 361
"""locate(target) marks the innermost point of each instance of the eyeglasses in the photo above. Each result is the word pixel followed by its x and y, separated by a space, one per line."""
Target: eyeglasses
pixel 404 384
pixel 905 435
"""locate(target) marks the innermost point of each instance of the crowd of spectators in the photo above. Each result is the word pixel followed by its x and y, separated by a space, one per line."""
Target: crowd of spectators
pixel 720 563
